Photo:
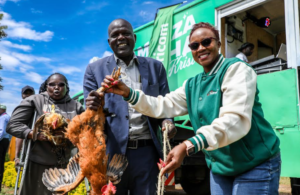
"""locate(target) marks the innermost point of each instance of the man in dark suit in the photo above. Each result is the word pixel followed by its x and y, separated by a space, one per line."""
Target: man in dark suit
pixel 129 132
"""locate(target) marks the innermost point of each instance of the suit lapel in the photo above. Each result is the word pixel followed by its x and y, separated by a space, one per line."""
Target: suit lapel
pixel 111 64
pixel 144 72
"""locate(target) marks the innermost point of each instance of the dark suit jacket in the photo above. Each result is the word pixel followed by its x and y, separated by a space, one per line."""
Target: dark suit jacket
pixel 154 83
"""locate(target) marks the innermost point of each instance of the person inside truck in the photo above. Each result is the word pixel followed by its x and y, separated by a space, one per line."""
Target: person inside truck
pixel 240 146
pixel 128 131
pixel 43 153
pixel 245 50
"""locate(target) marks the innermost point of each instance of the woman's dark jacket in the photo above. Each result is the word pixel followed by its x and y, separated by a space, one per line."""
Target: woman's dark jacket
pixel 20 122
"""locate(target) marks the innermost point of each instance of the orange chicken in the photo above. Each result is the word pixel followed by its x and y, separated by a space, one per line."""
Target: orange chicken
pixel 86 132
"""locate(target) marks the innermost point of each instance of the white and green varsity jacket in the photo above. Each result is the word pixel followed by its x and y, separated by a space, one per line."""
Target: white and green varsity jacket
pixel 225 113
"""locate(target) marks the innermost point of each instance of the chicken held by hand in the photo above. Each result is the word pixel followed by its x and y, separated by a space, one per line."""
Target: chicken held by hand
pixel 86 132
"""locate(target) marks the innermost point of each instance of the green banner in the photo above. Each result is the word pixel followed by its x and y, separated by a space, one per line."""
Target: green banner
pixel 160 43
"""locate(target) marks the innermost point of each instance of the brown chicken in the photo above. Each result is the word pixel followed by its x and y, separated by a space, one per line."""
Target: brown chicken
pixel 86 132
pixel 52 125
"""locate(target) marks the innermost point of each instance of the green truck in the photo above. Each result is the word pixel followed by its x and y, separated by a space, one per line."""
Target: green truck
pixel 276 59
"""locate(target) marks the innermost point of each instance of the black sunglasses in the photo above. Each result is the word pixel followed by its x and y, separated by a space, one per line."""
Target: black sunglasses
pixel 205 43
pixel 56 84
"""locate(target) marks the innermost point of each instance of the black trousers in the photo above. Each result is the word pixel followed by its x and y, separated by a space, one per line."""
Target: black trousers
pixel 4 144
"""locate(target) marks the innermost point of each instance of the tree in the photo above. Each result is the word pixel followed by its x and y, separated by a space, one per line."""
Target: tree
pixel 2 34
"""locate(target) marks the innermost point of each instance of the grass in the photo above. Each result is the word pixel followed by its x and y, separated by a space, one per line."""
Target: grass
pixel 6 191
pixel 285 186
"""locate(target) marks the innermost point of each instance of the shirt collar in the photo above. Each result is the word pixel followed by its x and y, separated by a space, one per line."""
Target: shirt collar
pixel 217 66
pixel 134 58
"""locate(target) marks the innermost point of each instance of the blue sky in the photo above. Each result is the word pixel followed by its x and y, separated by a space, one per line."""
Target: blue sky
pixel 47 36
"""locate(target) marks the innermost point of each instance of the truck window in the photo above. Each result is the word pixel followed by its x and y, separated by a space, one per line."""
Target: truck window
pixel 264 27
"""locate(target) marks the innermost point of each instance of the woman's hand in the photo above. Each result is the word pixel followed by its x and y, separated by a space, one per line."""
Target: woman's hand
pixel 17 161
pixel 171 129
pixel 175 158
pixel 117 87
pixel 40 136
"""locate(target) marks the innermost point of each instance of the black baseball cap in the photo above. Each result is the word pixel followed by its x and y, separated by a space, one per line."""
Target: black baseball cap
pixel 28 88
pixel 245 45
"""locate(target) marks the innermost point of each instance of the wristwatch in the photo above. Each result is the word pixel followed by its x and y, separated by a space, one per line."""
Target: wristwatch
pixel 190 148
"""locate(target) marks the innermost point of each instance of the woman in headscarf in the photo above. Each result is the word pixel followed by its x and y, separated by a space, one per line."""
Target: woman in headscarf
pixel 240 146
pixel 43 153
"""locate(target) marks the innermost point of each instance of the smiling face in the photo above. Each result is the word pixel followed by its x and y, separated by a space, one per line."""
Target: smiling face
pixel 121 39
pixel 205 56
pixel 56 87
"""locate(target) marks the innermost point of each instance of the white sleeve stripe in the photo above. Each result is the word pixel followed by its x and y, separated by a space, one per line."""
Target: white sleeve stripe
pixel 201 141
pixel 198 145
pixel 132 96
pixel 219 66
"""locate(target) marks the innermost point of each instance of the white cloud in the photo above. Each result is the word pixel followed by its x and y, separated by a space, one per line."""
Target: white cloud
pixel 142 13
pixel 94 59
pixel 97 6
pixel 148 2
pixel 9 62
pixel 67 69
pixel 34 11
pixel 29 58
pixel 145 15
pixel 11 81
pixel 2 2
pixel 11 102
pixel 105 54
pixel 16 46
pixel 75 87
pixel 22 30
pixel 34 77
pixel 14 61
pixel 92 7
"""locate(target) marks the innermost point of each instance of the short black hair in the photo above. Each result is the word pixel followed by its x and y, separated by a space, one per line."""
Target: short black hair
pixel 245 45
pixel 43 86
pixel 26 88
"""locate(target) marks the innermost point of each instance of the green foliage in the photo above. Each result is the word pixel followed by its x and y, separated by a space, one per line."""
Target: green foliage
pixel 2 28
pixel 80 190
pixel 7 157
pixel 10 176
pixel 2 35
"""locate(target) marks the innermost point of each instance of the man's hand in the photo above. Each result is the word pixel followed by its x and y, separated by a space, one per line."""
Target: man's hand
pixel 171 130
pixel 93 101
pixel 117 87
pixel 175 158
